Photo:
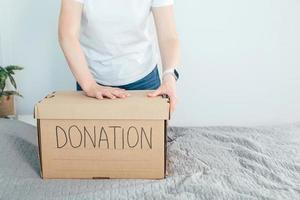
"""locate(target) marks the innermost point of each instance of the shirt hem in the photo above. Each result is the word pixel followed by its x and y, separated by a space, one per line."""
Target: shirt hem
pixel 129 81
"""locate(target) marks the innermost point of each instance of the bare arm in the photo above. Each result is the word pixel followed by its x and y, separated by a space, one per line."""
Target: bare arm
pixel 167 36
pixel 169 49
pixel 69 29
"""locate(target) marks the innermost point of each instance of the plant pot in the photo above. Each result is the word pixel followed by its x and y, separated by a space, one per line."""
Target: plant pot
pixel 7 106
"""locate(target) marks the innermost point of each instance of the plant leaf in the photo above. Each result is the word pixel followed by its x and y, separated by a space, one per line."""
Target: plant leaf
pixel 3 77
pixel 12 80
pixel 13 67
pixel 11 72
pixel 10 92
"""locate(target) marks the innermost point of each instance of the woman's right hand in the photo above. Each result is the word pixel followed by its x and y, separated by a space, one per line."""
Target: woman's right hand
pixel 69 31
pixel 100 92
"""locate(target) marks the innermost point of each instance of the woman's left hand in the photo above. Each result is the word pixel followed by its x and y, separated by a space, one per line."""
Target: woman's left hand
pixel 168 87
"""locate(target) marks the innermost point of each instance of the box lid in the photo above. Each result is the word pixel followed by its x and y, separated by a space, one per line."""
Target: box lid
pixel 76 105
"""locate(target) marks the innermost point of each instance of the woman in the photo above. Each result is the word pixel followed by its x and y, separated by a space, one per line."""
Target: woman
pixel 110 48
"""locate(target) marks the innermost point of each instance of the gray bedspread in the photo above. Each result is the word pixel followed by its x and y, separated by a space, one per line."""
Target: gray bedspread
pixel 203 163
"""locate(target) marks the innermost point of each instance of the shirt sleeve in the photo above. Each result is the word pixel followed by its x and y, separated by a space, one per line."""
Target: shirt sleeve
pixel 80 1
pixel 159 3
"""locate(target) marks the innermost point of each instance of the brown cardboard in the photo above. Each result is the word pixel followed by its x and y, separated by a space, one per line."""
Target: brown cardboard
pixel 82 137
pixel 7 106
pixel 68 105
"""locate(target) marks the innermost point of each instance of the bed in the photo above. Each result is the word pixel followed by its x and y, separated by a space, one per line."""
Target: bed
pixel 261 162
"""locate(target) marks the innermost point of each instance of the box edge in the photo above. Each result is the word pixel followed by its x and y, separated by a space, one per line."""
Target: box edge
pixel 39 147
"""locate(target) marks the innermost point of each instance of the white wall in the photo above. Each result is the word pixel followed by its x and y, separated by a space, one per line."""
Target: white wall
pixel 241 58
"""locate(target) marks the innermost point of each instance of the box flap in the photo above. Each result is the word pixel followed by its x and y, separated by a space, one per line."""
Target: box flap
pixel 76 105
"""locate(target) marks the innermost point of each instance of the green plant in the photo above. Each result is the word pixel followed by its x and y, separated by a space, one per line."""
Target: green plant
pixel 8 73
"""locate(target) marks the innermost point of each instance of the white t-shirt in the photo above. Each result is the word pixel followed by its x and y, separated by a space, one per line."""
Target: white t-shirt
pixel 116 39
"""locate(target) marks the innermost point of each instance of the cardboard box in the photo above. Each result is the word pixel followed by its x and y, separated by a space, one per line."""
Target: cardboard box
pixel 82 137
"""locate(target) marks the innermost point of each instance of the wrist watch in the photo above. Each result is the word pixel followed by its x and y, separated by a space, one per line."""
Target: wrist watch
pixel 172 72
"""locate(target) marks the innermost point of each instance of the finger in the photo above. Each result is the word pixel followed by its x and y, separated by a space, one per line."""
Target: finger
pixel 119 94
pixel 127 94
pixel 124 91
pixel 155 93
pixel 99 95
pixel 109 95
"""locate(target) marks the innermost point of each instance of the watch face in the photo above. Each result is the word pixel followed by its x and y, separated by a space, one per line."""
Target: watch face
pixel 176 74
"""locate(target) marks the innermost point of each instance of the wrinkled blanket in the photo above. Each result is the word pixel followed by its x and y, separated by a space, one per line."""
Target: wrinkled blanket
pixel 203 163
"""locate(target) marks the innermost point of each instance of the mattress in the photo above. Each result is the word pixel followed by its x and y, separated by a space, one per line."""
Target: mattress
pixel 224 162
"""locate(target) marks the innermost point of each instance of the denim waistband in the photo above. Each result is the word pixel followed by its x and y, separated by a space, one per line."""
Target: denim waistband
pixel 149 82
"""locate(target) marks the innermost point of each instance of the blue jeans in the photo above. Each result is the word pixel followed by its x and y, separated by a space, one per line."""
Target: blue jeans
pixel 149 82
